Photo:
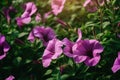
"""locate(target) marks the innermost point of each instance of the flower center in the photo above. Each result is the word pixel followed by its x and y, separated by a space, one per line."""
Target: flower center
pixel 1 50
pixel 89 53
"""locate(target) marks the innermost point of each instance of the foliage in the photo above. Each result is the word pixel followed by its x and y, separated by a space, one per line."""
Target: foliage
pixel 24 59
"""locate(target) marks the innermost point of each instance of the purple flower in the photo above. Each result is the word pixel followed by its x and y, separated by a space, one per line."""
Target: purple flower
pixel 22 21
pixel 68 49
pixel 116 65
pixel 30 9
pixel 57 6
pixel 44 34
pixel 52 51
pixel 4 47
pixel 7 11
pixel 87 51
pixel 11 77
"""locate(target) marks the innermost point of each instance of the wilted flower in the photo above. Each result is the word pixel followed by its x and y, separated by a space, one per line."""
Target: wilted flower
pixel 7 11
pixel 57 6
pixel 87 51
pixel 11 77
pixel 116 65
pixel 44 34
pixel 52 51
pixel 4 47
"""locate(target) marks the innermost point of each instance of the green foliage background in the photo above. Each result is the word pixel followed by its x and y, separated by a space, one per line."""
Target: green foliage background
pixel 24 59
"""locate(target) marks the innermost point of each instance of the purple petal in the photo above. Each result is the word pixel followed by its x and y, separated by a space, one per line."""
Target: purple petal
pixel 2 56
pixel 116 65
pixel 2 39
pixel 86 3
pixel 57 6
pixel 46 58
pixel 58 49
pixel 11 77
pixel 52 51
pixel 98 48
pixel 79 59
pixel 22 21
pixel 30 9
pixel 31 37
pixel 92 62
pixel 26 20
pixel 68 47
pixel 79 35
pixel 6 47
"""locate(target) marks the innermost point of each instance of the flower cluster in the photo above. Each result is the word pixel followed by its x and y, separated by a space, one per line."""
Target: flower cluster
pixel 87 51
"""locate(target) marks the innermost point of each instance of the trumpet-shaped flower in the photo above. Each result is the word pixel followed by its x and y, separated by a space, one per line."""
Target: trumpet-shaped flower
pixel 116 65
pixel 4 47
pixel 57 6
pixel 87 51
pixel 30 9
pixel 52 51
pixel 44 34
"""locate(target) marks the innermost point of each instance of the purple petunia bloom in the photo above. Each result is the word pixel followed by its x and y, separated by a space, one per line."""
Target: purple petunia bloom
pixel 52 51
pixel 44 34
pixel 87 51
pixel 116 65
pixel 4 47
pixel 7 11
pixel 30 9
pixel 57 6
pixel 11 77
